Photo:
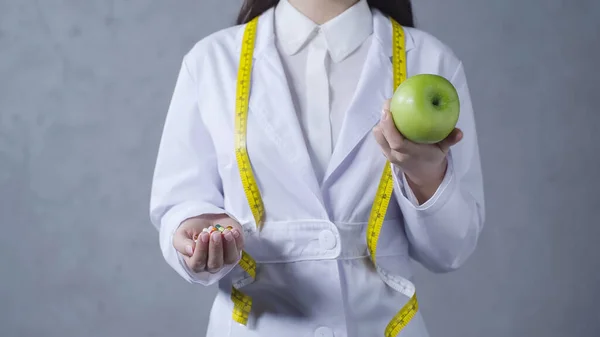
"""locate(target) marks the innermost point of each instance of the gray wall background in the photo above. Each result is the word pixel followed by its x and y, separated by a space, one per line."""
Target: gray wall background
pixel 84 87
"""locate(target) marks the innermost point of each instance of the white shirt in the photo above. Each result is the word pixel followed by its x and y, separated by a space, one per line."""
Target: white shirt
pixel 323 65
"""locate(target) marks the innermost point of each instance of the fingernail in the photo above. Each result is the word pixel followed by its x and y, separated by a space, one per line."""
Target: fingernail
pixel 236 233
pixel 228 235
pixel 189 250
pixel 204 237
pixel 216 237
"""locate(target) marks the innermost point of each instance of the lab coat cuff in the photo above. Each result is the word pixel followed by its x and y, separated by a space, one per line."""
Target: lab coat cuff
pixel 170 223
pixel 407 199
pixel 405 187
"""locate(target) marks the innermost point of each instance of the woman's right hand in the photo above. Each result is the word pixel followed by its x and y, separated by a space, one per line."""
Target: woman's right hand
pixel 211 251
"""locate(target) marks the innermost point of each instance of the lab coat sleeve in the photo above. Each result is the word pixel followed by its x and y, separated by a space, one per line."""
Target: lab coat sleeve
pixel 186 182
pixel 443 232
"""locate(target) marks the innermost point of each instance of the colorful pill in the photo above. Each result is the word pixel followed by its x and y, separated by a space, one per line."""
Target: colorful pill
pixel 196 237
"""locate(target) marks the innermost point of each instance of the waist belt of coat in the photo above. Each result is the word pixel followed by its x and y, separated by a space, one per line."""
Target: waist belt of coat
pixel 242 302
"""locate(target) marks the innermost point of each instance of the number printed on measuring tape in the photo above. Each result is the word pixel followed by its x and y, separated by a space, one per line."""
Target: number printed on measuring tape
pixel 378 211
pixel 402 318
pixel 248 264
pixel 242 305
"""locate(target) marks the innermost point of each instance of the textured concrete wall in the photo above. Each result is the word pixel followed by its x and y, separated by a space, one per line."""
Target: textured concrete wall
pixel 84 87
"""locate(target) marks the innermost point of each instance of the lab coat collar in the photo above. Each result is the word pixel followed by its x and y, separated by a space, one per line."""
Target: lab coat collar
pixel 344 33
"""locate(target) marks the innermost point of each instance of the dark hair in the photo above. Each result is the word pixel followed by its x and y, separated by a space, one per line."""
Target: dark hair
pixel 399 10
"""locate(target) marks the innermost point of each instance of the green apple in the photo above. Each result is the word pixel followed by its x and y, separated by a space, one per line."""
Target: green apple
pixel 425 108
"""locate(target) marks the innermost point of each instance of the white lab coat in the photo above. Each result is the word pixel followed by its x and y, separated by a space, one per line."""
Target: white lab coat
pixel 315 277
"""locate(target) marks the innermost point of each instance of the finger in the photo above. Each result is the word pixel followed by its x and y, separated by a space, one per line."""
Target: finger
pixel 383 143
pixel 215 252
pixel 386 105
pixel 230 250
pixel 198 261
pixel 394 138
pixel 183 243
pixel 237 231
pixel 239 239
pixel 453 138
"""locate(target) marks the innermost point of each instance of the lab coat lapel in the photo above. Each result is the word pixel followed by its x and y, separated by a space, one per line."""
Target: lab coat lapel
pixel 374 87
pixel 272 106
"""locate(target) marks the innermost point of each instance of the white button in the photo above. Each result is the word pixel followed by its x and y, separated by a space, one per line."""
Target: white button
pixel 323 332
pixel 327 240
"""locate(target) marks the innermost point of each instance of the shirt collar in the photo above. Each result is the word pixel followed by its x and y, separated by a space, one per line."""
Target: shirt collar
pixel 344 33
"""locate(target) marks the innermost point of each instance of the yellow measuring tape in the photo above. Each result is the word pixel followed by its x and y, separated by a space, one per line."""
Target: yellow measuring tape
pixel 242 302
pixel 241 117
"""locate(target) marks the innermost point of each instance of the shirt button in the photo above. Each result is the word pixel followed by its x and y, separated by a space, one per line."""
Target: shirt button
pixel 323 332
pixel 327 240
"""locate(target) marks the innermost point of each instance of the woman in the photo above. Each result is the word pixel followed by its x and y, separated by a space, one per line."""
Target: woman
pixel 321 74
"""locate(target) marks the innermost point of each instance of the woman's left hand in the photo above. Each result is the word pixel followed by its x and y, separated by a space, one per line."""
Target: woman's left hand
pixel 423 164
